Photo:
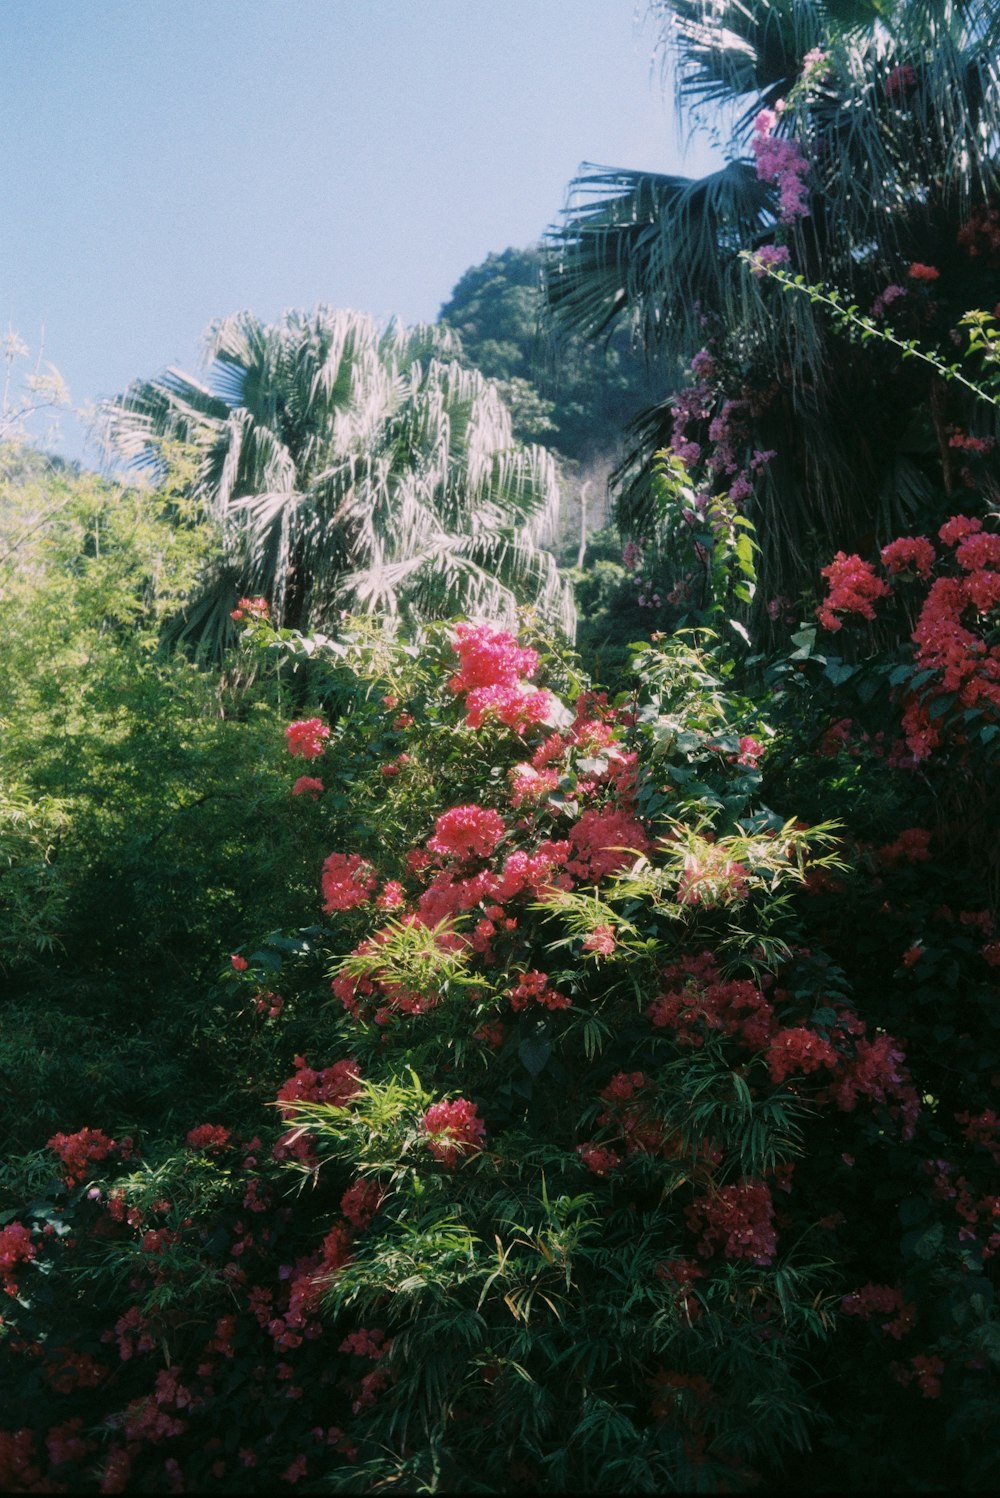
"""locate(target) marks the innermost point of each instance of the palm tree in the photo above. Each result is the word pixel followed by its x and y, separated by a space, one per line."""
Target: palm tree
pixel 348 467
pixel 893 111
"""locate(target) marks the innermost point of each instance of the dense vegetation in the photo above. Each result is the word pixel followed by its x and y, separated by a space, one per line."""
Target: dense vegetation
pixel 443 1060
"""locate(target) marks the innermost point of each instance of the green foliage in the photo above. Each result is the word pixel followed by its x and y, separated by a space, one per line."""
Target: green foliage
pixel 572 396
pixel 888 124
pixel 127 781
pixel 347 466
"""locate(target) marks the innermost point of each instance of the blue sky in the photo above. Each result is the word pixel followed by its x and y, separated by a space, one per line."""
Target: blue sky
pixel 167 162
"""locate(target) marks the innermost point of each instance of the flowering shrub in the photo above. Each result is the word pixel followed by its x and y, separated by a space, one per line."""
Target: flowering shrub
pixel 954 683
pixel 599 1123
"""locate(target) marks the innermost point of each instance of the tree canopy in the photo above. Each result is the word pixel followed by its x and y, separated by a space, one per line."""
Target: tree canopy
pixel 347 466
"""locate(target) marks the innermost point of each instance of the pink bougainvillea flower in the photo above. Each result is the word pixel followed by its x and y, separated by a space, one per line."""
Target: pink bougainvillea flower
pixel 467 830
pixel 601 940
pixel 517 706
pixel 208 1137
pixel 257 608
pixel 453 1129
pixel 308 785
pixel 853 589
pixel 909 551
pixel 305 738
pixel 768 254
pixel 780 160
pixel 347 881
pixel 81 1150
pixel 489 658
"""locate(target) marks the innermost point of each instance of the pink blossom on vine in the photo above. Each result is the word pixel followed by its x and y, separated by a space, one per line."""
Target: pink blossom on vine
pixel 780 161
pixel 768 254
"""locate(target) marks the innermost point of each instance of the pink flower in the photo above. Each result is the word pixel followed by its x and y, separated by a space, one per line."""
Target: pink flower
pixel 768 254
pixel 392 895
pixel 795 1052
pixel 853 589
pixel 16 1247
pixel 781 161
pixel 453 1129
pixel 604 843
pixel 489 658
pixel 738 1219
pixel 239 963
pixel 306 737
pixel 885 299
pixel 533 987
pixel 909 551
pixel 347 881
pixel 601 940
pixel 256 607
pixel 467 830
pixel 711 878
pixel 751 750
pixel 208 1137
pixel 80 1150
pixel 959 526
pixel 308 785
pixel 517 706
pixel 599 1160
pixel 920 272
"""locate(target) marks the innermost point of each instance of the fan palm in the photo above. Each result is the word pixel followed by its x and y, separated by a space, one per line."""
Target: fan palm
pixel 899 124
pixel 350 467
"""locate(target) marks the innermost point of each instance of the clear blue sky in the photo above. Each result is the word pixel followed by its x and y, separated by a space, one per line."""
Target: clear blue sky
pixel 167 162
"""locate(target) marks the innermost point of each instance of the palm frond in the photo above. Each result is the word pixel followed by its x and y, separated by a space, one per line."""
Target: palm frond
pixel 347 463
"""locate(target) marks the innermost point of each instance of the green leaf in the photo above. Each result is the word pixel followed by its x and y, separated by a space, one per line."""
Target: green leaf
pixel 534 1052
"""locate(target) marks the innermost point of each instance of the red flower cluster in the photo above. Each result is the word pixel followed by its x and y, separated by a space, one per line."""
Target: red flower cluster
pixel 16 1247
pixel 697 1001
pixel 798 1051
pixel 492 665
pixel 871 1301
pixel 467 831
pixel 911 846
pixel 81 1150
pixel 453 1129
pixel 308 785
pixel 853 589
pixel 305 738
pixel 899 81
pixel 347 881
pixel 533 988
pixel 208 1137
pixel 909 551
pixel 739 1219
pixel 257 608
pixel 331 1084
pixel 605 842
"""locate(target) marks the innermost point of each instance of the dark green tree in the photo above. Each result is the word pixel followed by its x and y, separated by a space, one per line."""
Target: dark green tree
pixel 863 142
